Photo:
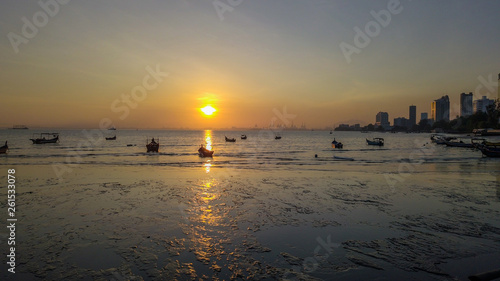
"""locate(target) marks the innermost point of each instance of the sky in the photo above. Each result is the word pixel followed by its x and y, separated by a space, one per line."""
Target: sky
pixel 154 64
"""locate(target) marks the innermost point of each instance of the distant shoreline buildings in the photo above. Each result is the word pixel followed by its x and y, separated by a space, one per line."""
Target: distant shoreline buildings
pixel 440 112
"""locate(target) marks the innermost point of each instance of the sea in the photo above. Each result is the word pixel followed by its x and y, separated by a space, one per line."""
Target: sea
pixel 296 150
pixel 261 208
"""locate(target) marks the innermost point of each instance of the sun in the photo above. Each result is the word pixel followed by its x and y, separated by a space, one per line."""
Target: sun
pixel 208 110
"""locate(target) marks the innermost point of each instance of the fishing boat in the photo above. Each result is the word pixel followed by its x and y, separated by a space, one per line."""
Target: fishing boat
pixel 343 158
pixel 204 152
pixel 111 138
pixel 489 151
pixel 442 140
pixel 436 137
pixel 243 137
pixel 336 144
pixel 486 132
pixel 375 141
pixel 4 148
pixel 460 143
pixel 489 143
pixel 45 138
pixel 230 140
pixel 153 146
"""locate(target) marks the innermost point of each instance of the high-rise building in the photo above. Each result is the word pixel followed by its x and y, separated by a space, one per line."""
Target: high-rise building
pixel 401 122
pixel 413 116
pixel 465 104
pixel 424 116
pixel 440 109
pixel 482 104
pixel 382 119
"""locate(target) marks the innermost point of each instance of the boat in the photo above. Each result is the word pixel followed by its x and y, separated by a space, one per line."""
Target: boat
pixel 19 127
pixel 489 143
pixel 4 148
pixel 112 128
pixel 336 144
pixel 277 137
pixel 461 143
pixel 230 140
pixel 489 151
pixel 486 132
pixel 375 141
pixel 343 158
pixel 436 137
pixel 153 146
pixel 111 138
pixel 45 138
pixel 442 140
pixel 243 137
pixel 204 152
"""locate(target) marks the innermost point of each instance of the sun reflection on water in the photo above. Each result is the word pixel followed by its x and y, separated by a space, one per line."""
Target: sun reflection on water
pixel 207 166
pixel 208 139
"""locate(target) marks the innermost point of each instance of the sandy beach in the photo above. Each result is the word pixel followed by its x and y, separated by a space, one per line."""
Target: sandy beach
pixel 168 223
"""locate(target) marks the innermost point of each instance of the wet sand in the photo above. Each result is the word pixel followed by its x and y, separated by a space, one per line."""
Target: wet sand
pixel 167 223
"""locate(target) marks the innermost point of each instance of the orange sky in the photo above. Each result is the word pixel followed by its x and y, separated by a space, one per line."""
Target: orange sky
pixel 259 57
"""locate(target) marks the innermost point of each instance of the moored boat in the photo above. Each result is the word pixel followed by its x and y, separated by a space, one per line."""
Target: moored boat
pixel 461 143
pixel 153 146
pixel 489 143
pixel 375 141
pixel 489 151
pixel 336 144
pixel 486 132
pixel 111 138
pixel 204 152
pixel 230 140
pixel 243 137
pixel 277 137
pixel 3 149
pixel 45 138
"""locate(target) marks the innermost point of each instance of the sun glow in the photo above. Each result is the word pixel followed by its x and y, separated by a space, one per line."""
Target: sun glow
pixel 208 110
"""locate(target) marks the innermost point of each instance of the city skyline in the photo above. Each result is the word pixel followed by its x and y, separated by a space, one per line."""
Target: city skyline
pixel 155 65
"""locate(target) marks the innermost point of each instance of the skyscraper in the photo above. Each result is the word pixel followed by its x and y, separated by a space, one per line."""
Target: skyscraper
pixel 465 104
pixel 423 116
pixel 440 109
pixel 382 119
pixel 413 116
pixel 482 104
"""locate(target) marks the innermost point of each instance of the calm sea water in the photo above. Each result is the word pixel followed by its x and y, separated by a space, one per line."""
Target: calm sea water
pixel 296 150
